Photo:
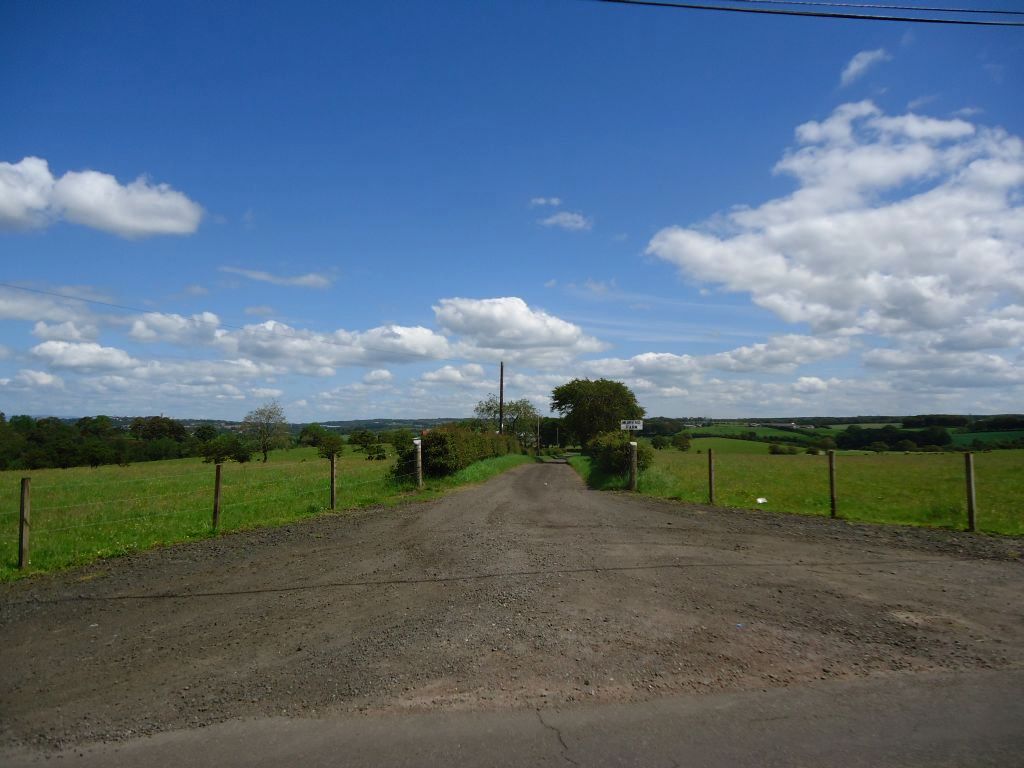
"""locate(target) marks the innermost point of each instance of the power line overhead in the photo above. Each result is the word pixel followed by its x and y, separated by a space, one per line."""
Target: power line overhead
pixel 824 14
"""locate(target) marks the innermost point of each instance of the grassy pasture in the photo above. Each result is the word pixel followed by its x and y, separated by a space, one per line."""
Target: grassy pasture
pixel 968 438
pixel 724 445
pixel 912 489
pixel 730 430
pixel 82 514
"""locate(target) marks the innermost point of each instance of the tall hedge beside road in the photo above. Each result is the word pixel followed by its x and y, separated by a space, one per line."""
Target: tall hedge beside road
pixel 448 449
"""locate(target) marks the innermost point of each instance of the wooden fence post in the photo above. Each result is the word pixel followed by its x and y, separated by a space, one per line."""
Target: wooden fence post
pixel 632 466
pixel 23 522
pixel 969 471
pixel 711 476
pixel 832 483
pixel 216 497
pixel 419 462
pixel 334 481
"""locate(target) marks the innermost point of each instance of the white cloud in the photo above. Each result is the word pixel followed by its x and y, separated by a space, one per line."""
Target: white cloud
pixel 780 353
pixel 66 331
pixel 264 393
pixel 318 354
pixel 807 385
pixel 30 379
pixel 846 250
pixel 309 280
pixel 573 222
pixel 471 375
pixel 378 376
pixel 861 63
pixel 551 201
pixel 26 188
pixel 88 356
pixel 30 196
pixel 905 235
pixel 508 327
pixel 157 326
pixel 19 305
pixel 138 209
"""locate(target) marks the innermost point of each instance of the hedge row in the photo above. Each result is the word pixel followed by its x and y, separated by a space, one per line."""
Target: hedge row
pixel 610 452
pixel 449 449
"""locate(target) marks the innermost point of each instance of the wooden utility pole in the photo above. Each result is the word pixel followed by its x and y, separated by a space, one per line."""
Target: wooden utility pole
pixel 419 462
pixel 832 483
pixel 969 469
pixel 23 523
pixel 711 476
pixel 632 466
pixel 216 498
pixel 334 481
pixel 501 399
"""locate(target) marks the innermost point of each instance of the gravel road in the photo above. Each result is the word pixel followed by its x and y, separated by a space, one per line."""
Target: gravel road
pixel 529 591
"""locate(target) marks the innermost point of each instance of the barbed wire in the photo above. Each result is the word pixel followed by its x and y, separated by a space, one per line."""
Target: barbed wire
pixel 272 499
pixel 72 486
pixel 118 520
pixel 122 500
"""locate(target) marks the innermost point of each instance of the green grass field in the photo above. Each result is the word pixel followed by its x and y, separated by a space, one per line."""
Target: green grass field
pixel 913 489
pixel 725 445
pixel 82 514
pixel 783 435
pixel 968 438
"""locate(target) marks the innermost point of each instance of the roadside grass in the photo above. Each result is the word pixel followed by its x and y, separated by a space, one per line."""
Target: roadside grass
pixel 911 489
pixel 82 514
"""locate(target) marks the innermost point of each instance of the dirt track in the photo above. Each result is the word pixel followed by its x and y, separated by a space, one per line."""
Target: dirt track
pixel 528 591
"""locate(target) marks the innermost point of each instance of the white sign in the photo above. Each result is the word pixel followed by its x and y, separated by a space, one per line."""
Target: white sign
pixel 632 425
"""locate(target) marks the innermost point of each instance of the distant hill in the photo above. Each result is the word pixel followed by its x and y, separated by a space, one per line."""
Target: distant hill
pixel 385 425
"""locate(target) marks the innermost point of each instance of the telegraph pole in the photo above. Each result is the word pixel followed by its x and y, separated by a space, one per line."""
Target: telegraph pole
pixel 501 400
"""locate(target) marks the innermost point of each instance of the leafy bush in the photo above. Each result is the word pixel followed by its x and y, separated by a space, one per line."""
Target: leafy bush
pixel 660 441
pixel 450 448
pixel 610 452
pixel 446 450
pixel 229 446
pixel 783 450
pixel 329 444
pixel 376 452
pixel 681 441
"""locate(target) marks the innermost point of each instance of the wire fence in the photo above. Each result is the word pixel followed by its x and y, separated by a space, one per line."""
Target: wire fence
pixel 56 524
pixel 946 490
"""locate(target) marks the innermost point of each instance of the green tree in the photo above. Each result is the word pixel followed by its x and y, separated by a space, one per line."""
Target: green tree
pixel 681 441
pixel 330 445
pixel 591 407
pixel 204 433
pixel 266 427
pixel 520 417
pixel 401 439
pixel 362 439
pixel 610 452
pixel 312 434
pixel 660 441
pixel 227 446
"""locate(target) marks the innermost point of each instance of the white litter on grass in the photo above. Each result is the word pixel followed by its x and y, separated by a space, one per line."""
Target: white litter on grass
pixel 762 500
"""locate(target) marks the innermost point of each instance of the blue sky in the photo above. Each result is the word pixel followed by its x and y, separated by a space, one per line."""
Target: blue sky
pixel 359 209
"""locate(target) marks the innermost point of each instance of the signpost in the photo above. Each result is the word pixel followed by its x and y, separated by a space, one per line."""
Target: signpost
pixel 631 425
